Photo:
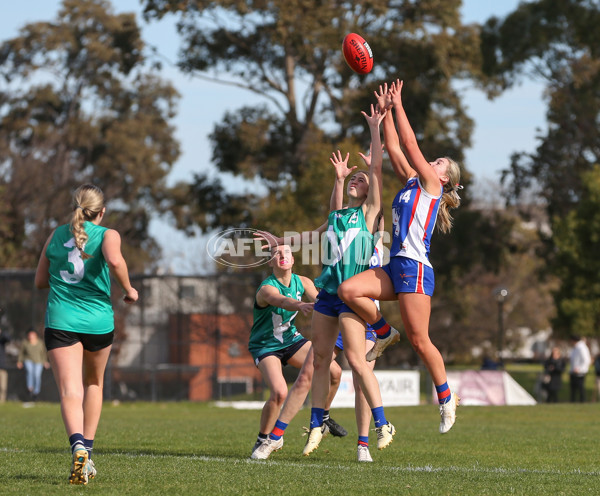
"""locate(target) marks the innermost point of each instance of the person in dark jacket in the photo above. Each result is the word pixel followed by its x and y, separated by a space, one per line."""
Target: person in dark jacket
pixel 597 383
pixel 554 367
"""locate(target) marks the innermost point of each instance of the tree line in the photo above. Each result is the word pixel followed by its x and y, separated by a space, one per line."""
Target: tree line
pixel 82 100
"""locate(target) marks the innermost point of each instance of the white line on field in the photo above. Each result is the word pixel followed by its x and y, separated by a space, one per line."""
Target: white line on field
pixel 409 468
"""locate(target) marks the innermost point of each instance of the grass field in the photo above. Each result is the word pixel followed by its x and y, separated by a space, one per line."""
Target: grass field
pixel 187 448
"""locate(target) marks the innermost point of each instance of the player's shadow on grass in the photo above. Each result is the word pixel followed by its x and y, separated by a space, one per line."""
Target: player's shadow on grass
pixel 142 452
pixel 44 479
pixel 53 450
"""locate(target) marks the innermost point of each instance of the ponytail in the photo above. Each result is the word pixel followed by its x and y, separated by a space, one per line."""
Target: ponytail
pixel 450 198
pixel 88 202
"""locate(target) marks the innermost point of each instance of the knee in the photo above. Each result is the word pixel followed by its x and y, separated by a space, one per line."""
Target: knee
pixel 322 361
pixel 347 290
pixel 93 381
pixel 419 344
pixel 278 396
pixel 72 393
pixel 335 372
pixel 356 362
pixel 304 381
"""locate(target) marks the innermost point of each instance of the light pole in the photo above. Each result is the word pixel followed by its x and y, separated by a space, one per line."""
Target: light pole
pixel 501 294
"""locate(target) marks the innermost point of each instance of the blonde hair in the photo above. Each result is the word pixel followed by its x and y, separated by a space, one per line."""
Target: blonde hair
pixel 450 198
pixel 88 202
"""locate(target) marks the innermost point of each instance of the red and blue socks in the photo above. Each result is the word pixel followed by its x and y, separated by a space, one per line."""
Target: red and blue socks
pixel 278 430
pixel 363 441
pixel 443 393
pixel 381 328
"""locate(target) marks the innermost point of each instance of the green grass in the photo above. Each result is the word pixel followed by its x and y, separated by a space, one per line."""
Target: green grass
pixel 186 448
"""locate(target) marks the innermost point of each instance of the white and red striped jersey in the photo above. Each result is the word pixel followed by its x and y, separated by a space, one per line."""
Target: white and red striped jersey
pixel 414 212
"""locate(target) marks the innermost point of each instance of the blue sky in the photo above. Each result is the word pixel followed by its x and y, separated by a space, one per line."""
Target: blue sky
pixel 503 126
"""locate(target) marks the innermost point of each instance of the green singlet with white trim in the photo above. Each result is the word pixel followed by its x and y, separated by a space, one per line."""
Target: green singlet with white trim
pixel 79 297
pixel 346 249
pixel 273 328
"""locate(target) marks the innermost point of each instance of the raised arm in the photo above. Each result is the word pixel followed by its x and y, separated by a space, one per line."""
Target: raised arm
pixel 372 205
pixel 342 171
pixel 380 235
pixel 427 175
pixel 399 162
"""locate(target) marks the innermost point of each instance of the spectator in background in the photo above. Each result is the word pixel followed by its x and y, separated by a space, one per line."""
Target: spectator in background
pixel 33 358
pixel 488 364
pixel 597 384
pixel 581 360
pixel 554 366
pixel 3 373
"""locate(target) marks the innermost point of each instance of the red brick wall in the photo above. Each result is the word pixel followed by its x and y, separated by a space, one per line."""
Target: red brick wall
pixel 210 341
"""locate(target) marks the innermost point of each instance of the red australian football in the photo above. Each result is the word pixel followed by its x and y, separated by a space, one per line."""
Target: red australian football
pixel 357 53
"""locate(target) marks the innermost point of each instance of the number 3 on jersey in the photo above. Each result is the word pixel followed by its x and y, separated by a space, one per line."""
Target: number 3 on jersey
pixel 75 259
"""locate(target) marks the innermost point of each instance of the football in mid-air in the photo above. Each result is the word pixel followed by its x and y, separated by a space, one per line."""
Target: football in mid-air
pixel 357 53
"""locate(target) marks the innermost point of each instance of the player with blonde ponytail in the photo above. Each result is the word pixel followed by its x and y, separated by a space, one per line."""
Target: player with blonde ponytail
pixel 76 263
pixel 430 190
pixel 450 198
pixel 88 202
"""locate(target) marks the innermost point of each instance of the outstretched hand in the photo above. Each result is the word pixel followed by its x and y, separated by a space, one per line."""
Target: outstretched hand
pixel 376 116
pixel 270 239
pixel 384 101
pixel 306 307
pixel 395 92
pixel 367 158
pixel 342 171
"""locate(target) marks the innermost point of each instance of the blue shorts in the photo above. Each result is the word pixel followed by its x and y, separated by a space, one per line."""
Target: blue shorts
pixel 331 305
pixel 371 336
pixel 284 354
pixel 409 276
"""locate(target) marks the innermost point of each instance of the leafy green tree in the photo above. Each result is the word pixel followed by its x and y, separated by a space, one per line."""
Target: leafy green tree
pixel 577 239
pixel 557 42
pixel 80 104
pixel 289 55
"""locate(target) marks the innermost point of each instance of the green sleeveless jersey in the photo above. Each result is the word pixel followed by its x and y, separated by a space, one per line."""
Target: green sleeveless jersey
pixel 79 297
pixel 346 249
pixel 273 328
